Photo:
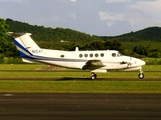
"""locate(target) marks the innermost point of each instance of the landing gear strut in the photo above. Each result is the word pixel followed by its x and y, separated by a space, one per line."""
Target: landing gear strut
pixel 141 74
pixel 93 76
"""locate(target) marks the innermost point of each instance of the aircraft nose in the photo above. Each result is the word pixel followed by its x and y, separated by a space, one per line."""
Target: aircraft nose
pixel 142 62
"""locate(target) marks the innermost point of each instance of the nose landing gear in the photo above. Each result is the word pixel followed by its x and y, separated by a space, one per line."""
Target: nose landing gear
pixel 141 74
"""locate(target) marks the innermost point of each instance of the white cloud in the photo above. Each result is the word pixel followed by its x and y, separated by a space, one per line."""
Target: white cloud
pixel 117 1
pixel 147 14
pixel 147 6
pixel 73 0
pixel 110 17
pixel 140 14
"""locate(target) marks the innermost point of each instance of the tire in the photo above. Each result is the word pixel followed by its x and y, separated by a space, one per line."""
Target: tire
pixel 141 75
pixel 93 76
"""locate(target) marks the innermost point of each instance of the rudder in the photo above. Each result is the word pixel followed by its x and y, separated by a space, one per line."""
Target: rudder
pixel 24 44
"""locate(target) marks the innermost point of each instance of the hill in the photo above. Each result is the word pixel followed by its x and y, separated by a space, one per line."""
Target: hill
pixel 40 33
pixel 147 34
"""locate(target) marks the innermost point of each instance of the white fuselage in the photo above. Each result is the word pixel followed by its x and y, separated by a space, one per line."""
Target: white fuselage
pixel 111 59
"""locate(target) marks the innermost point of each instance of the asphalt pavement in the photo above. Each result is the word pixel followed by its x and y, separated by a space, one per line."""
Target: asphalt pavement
pixel 79 106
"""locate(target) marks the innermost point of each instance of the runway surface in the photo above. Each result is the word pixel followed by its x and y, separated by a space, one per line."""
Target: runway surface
pixel 73 78
pixel 71 106
pixel 78 79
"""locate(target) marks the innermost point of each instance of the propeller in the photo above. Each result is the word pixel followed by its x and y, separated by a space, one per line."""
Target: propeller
pixel 128 63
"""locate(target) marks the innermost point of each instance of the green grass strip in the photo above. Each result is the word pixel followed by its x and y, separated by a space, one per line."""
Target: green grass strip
pixel 81 86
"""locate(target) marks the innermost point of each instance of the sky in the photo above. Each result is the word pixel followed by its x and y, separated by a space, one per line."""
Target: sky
pixel 94 17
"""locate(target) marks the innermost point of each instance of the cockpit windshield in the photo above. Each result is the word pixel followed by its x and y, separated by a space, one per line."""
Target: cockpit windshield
pixel 119 54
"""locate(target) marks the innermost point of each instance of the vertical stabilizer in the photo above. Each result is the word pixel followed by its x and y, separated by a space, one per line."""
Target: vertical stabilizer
pixel 28 42
pixel 24 39
pixel 24 44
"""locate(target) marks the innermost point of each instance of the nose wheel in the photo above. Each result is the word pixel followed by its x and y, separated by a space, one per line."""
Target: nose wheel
pixel 141 74
pixel 93 76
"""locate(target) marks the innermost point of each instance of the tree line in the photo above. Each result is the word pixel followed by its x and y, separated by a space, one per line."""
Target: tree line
pixel 40 33
pixel 8 49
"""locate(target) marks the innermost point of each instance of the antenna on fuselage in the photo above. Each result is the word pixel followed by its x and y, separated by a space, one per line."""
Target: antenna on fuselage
pixel 76 49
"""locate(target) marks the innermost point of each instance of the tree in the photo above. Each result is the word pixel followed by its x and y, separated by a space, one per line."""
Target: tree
pixel 141 50
pixel 113 44
pixel 4 44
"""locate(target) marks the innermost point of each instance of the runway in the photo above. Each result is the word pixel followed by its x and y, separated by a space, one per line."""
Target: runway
pixel 63 78
pixel 77 79
pixel 72 106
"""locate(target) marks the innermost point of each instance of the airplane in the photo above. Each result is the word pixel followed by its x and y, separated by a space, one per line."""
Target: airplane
pixel 95 61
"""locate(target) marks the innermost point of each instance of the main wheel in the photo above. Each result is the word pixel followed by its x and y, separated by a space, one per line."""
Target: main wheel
pixel 141 75
pixel 93 76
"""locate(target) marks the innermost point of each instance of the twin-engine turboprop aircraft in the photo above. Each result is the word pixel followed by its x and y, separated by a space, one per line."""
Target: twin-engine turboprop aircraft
pixel 96 61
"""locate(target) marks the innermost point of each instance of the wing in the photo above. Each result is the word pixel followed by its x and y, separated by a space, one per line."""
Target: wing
pixel 92 65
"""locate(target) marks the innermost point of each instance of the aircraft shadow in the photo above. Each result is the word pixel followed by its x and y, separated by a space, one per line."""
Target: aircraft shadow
pixel 107 79
pixel 72 79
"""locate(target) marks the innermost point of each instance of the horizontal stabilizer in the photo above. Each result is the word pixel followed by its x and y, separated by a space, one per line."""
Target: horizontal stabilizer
pixel 17 34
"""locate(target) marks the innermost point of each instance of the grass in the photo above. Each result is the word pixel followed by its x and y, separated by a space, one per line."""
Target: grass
pixel 21 66
pixel 130 45
pixel 81 86
pixel 75 86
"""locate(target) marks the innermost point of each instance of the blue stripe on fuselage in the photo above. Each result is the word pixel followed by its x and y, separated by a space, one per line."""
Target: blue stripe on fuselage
pixel 22 48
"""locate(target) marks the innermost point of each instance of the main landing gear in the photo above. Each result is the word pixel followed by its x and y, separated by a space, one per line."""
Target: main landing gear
pixel 93 76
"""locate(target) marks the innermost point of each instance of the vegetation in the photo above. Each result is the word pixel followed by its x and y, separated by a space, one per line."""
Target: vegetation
pixel 141 44
pixel 4 44
pixel 147 34
pixel 40 33
pixel 74 85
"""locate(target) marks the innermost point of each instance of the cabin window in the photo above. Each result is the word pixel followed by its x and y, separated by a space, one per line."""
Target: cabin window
pixel 80 55
pixel 91 55
pixel 96 55
pixel 86 55
pixel 62 56
pixel 102 55
pixel 113 54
